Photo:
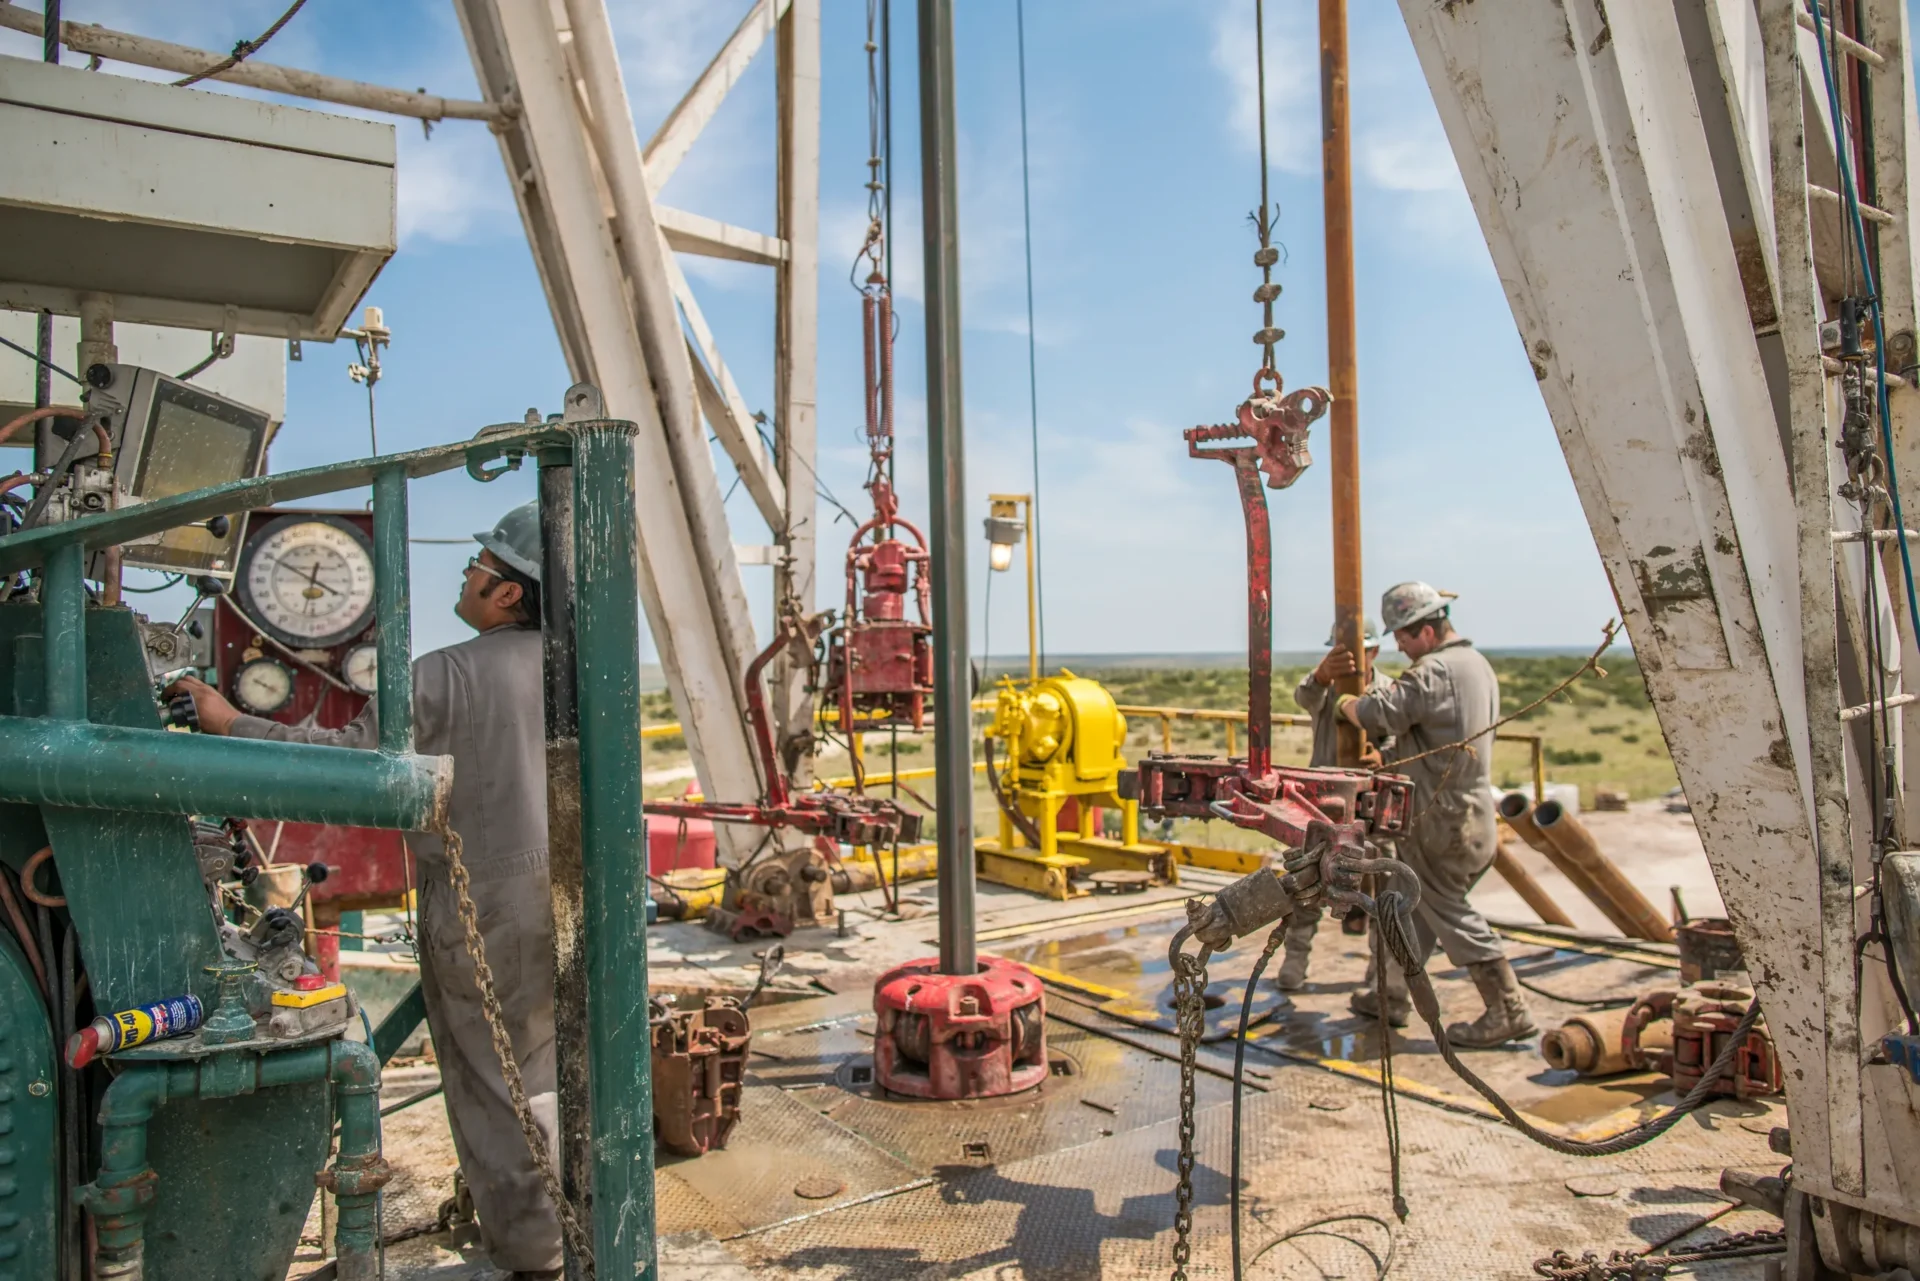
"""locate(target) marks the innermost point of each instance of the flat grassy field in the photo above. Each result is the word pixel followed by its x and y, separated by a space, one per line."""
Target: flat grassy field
pixel 1599 732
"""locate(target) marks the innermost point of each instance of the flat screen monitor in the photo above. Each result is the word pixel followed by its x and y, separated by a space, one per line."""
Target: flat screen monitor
pixel 178 438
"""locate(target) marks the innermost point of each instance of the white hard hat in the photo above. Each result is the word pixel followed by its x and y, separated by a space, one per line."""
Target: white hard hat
pixel 1405 604
pixel 516 539
pixel 1369 633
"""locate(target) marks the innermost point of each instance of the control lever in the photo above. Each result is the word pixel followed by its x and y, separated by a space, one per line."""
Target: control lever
pixel 180 709
pixel 204 586
pixel 316 873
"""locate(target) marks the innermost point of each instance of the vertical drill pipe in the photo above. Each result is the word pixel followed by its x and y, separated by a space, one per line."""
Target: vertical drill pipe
pixel 946 455
pixel 563 828
pixel 1342 377
pixel 613 848
pixel 394 690
pixel 63 597
pixel 1253 504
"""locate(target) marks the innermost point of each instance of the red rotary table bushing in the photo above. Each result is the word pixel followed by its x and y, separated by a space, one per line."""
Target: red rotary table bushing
pixel 959 1036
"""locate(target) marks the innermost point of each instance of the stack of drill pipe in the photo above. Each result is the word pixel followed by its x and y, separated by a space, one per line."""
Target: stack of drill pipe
pixel 1534 893
pixel 1570 848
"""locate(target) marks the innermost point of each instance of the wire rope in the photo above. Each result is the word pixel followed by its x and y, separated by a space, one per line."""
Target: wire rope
pixel 243 50
pixel 1033 375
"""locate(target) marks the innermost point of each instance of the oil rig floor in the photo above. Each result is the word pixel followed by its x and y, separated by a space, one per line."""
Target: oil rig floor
pixel 825 1179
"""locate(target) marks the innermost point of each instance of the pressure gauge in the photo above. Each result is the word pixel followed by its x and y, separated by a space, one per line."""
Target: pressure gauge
pixel 308 581
pixel 361 668
pixel 263 686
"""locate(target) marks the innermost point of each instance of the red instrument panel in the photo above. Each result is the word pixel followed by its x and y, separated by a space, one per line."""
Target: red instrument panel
pixel 293 642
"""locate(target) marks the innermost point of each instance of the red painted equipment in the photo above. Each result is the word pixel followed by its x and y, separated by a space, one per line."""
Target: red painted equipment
pixel 677 843
pixel 959 1036
pixel 880 662
pixel 367 868
pixel 845 819
pixel 773 894
pixel 1281 802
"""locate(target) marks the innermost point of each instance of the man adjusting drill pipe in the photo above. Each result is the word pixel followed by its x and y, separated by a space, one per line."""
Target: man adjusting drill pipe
pixel 481 702
pixel 1439 715
pixel 1315 696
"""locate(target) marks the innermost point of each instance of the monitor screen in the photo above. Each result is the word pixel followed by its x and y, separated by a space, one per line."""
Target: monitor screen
pixel 193 441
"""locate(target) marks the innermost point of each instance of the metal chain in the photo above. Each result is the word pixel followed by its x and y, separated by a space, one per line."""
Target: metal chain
pixel 576 1233
pixel 1629 1265
pixel 1190 1018
pixel 1263 220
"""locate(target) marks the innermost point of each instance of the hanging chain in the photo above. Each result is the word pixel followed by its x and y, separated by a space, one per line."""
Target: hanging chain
pixel 576 1233
pixel 1263 219
pixel 1190 1018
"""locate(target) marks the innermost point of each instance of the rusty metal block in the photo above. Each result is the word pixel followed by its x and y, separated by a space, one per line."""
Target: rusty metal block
pixel 699 1059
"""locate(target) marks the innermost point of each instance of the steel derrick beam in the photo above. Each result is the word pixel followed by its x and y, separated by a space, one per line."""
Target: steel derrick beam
pixel 1607 227
pixel 567 174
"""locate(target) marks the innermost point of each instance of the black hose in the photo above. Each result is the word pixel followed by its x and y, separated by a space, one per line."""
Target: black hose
pixel 1392 918
pixel 1239 1074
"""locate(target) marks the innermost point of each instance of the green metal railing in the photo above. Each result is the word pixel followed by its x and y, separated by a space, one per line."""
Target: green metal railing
pixel 62 759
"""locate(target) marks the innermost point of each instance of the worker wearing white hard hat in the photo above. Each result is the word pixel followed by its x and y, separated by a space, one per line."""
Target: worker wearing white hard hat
pixel 1440 715
pixel 1314 693
pixel 481 702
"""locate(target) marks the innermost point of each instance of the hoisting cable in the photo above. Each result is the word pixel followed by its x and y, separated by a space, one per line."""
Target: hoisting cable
pixel 1033 376
pixel 243 50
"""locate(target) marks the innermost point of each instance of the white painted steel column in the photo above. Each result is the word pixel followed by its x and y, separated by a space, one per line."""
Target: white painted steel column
pixel 796 346
pixel 698 625
pixel 1581 145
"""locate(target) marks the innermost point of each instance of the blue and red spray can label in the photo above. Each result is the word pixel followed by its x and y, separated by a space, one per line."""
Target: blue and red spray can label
pixel 124 1029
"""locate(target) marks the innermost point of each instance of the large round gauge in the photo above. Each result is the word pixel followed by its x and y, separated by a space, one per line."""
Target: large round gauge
pixel 308 580
pixel 361 668
pixel 262 686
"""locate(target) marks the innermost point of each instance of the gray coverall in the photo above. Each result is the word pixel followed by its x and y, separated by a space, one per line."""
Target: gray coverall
pixel 1317 701
pixel 1448 696
pixel 481 702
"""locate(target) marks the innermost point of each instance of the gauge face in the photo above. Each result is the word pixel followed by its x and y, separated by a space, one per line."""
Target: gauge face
pixel 361 668
pixel 308 580
pixel 263 686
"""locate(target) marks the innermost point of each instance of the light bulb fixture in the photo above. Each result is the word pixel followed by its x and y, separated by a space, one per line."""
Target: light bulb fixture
pixel 1004 530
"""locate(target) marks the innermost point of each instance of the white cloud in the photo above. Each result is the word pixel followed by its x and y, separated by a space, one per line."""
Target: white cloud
pixel 1293 82
pixel 451 187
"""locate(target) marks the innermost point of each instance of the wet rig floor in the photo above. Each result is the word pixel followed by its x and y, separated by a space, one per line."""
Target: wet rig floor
pixel 826 1179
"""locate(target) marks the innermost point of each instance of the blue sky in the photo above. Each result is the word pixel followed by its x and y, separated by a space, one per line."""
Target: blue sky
pixel 1144 171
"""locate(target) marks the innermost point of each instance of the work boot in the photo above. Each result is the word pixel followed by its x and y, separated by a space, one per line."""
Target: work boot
pixel 1366 1002
pixel 1506 1017
pixel 1293 963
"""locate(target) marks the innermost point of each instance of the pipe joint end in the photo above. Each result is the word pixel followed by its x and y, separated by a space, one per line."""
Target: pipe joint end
pixel 356 1176
pixel 116 1205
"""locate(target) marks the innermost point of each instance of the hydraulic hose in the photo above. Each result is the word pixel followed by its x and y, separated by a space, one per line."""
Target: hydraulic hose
pixel 1394 918
pixel 1239 1078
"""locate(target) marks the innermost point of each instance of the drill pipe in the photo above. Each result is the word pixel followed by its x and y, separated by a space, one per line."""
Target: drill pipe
pixel 1570 837
pixel 1519 815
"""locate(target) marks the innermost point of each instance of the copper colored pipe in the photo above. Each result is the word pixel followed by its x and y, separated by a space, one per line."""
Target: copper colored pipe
pixel 1343 379
pixel 1570 836
pixel 1517 812
pixel 14 481
pixel 1526 887
pixel 35 415
pixel 23 933
pixel 27 871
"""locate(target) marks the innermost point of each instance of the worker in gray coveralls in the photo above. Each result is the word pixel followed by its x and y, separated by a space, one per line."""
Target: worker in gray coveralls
pixel 1448 696
pixel 1313 693
pixel 480 702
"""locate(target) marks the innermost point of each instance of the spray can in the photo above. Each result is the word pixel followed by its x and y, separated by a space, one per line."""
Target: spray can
pixel 125 1029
